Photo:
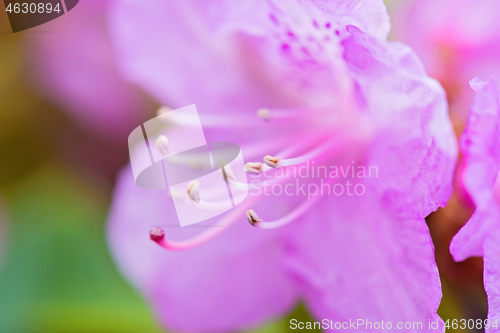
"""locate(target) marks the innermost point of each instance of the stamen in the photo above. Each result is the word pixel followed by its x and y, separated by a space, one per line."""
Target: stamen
pixel 289 113
pixel 193 191
pixel 162 145
pixel 276 162
pixel 252 217
pixel 290 149
pixel 158 234
pixel 253 167
pixel 293 215
pixel 210 120
pixel 242 120
pixel 272 161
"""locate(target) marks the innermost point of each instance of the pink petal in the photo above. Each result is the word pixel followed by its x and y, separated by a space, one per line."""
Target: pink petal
pixel 492 279
pixel 75 67
pixel 365 263
pixel 255 53
pixel 481 164
pixel 416 162
pixel 480 142
pixel 369 16
pixel 470 240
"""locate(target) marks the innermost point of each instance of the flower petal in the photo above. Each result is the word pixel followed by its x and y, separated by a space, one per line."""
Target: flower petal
pixel 414 146
pixel 255 53
pixel 365 263
pixel 492 279
pixel 480 142
pixel 76 68
pixel 469 241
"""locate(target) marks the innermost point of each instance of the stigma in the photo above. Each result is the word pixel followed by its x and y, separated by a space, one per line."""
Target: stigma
pixel 157 234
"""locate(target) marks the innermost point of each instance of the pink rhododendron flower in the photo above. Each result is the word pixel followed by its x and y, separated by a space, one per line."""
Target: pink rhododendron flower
pixel 334 93
pixel 456 40
pixel 480 145
pixel 73 60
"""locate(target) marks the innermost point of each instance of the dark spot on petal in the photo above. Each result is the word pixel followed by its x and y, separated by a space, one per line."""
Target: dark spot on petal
pixel 328 25
pixel 315 24
pixel 337 32
pixel 305 50
pixel 274 19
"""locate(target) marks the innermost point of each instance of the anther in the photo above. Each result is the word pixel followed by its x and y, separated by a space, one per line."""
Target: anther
pixel 193 191
pixel 162 145
pixel 253 167
pixel 252 217
pixel 264 114
pixel 272 161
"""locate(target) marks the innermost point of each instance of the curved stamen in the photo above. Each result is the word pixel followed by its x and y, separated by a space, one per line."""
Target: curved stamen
pixel 158 234
pixel 268 114
pixel 241 120
pixel 211 120
pixel 272 162
pixel 276 162
pixel 254 219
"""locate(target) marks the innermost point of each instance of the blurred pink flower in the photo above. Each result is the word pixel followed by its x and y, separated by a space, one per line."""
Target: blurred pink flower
pixel 456 40
pixel 336 92
pixel 480 145
pixel 73 65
